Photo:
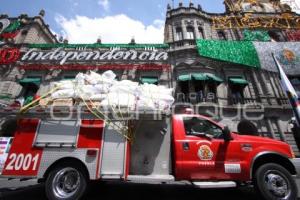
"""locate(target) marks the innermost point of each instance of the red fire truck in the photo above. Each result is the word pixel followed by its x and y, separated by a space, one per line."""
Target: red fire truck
pixel 66 154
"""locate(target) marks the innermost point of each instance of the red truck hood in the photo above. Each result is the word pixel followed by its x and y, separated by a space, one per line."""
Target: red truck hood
pixel 258 139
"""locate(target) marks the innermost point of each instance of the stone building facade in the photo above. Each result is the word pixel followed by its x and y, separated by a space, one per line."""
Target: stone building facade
pixel 241 88
pixel 32 30
pixel 34 70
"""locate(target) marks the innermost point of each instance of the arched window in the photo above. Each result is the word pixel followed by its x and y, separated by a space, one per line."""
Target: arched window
pixel 178 35
pixel 190 33
pixel 201 33
pixel 276 36
pixel 222 35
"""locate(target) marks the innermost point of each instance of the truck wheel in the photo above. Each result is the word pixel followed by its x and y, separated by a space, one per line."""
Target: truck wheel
pixel 67 181
pixel 274 182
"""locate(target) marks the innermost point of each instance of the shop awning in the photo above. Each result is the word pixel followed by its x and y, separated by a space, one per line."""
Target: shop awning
pixel 68 78
pixel 185 77
pixel 149 80
pixel 214 78
pixel 238 81
pixel 35 81
pixel 200 77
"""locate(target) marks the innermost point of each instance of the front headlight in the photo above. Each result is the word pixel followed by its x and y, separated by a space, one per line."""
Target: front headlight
pixel 292 152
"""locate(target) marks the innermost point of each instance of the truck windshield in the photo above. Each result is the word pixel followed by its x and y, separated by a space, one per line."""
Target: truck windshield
pixel 194 125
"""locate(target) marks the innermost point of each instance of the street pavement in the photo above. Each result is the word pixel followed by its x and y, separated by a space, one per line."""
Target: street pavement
pixel 15 190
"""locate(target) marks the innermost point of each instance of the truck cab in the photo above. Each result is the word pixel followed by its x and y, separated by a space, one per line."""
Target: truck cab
pixel 205 150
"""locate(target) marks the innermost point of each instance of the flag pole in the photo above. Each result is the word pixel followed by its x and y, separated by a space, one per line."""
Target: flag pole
pixel 290 91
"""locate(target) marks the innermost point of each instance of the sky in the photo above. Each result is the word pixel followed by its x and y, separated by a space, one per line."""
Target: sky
pixel 114 21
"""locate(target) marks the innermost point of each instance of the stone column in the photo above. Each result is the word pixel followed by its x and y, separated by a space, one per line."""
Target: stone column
pixel 268 89
pixel 184 31
pixel 258 86
pixel 281 132
pixel 196 30
pixel 170 33
pixel 269 124
pixel 174 33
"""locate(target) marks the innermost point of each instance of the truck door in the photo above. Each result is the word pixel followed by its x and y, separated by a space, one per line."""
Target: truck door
pixel 202 152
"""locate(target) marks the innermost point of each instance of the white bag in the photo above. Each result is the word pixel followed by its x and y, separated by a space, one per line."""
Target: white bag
pixel 102 88
pixel 90 80
pixel 62 94
pixel 79 79
pixel 159 97
pixel 126 83
pixel 119 100
pixel 64 85
pixel 145 104
pixel 109 75
pixel 96 97
pixel 150 89
pixel 123 89
pixel 85 91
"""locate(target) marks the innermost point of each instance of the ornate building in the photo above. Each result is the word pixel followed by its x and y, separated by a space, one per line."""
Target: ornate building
pixel 31 59
pixel 224 61
pixel 19 31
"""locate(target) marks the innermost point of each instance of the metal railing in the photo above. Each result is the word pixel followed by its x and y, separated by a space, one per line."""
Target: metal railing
pixel 194 98
pixel 242 100
pixel 5 96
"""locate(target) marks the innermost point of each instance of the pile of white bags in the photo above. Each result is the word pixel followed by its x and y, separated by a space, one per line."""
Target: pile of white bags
pixel 112 93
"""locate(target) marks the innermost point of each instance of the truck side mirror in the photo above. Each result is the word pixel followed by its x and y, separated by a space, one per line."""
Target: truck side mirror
pixel 227 133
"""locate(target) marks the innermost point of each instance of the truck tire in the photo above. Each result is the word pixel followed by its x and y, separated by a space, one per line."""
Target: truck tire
pixel 67 181
pixel 274 182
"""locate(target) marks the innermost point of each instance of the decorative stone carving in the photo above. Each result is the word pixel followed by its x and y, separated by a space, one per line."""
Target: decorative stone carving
pixel 200 23
pixel 177 23
pixel 189 22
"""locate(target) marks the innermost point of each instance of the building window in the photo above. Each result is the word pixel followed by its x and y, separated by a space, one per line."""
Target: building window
pixel 237 94
pixel 31 85
pixel 198 87
pixel 237 86
pixel 201 33
pixel 24 32
pixel 149 80
pixel 221 35
pixel 183 91
pixel 190 33
pixel 237 35
pixel 199 90
pixel 276 36
pixel 211 91
pixel 179 34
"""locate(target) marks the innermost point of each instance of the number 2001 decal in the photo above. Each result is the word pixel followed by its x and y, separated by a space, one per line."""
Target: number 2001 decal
pixel 25 164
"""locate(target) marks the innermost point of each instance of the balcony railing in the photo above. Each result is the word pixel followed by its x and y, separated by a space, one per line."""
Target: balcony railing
pixel 283 101
pixel 195 98
pixel 242 100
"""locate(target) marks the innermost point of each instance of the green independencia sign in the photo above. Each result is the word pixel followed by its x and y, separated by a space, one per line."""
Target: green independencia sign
pixel 239 52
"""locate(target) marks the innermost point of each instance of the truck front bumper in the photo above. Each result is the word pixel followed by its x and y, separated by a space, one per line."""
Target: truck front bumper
pixel 296 163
